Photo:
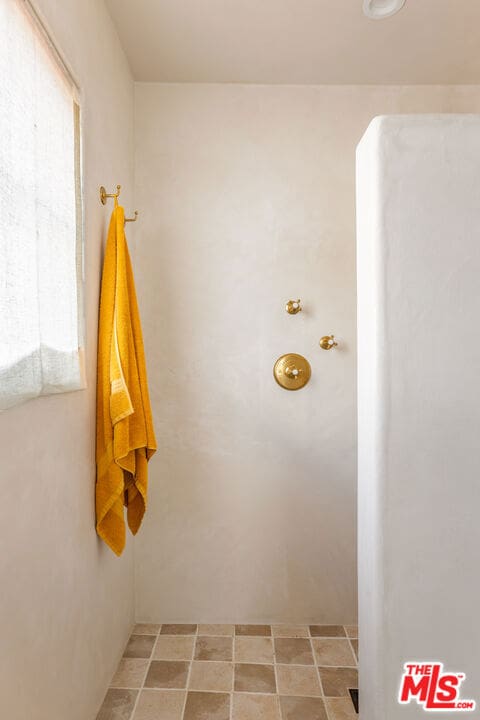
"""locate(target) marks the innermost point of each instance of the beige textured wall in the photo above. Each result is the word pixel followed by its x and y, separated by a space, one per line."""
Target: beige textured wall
pixel 66 601
pixel 419 260
pixel 247 199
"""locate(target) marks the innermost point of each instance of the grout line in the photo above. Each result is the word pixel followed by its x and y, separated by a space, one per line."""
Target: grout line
pixel 248 662
pixel 251 662
pixel 353 652
pixel 322 694
pixel 233 674
pixel 183 635
pixel 351 648
pixel 304 695
pixel 126 687
pixel 218 692
pixel 137 699
pixel 187 688
pixel 279 707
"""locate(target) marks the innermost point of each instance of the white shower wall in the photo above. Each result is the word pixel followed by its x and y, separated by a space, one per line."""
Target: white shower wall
pixel 67 603
pixel 246 197
pixel 419 405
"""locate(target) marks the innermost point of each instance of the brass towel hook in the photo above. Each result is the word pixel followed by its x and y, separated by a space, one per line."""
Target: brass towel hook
pixel 104 195
pixel 103 199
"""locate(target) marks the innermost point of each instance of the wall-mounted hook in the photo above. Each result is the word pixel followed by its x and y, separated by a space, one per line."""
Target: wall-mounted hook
pixel 135 216
pixel 104 195
pixel 328 342
pixel 293 307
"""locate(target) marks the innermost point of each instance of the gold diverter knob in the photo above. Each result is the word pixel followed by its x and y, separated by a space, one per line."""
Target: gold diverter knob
pixel 328 342
pixel 292 371
pixel 293 307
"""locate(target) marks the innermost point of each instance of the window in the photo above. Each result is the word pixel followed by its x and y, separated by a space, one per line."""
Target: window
pixel 41 321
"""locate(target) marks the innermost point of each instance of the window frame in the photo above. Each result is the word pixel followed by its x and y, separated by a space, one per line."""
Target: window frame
pixel 40 28
pixel 59 56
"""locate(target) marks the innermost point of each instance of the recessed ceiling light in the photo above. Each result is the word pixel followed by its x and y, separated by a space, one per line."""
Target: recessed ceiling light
pixel 379 9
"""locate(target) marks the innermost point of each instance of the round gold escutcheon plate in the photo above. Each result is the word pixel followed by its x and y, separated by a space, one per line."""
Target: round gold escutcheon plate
pixel 292 371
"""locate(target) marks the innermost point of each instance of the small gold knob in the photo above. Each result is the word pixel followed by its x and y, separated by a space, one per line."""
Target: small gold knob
pixel 293 307
pixel 328 342
pixel 292 372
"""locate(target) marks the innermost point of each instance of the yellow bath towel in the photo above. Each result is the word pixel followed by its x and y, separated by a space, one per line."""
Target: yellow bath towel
pixel 125 435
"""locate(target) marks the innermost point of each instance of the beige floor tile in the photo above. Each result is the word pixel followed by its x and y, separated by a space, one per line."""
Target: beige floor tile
pixel 216 629
pixel 296 680
pixel 160 705
pixel 255 707
pixel 341 709
pixel 146 629
pixel 175 629
pixel 351 630
pixel 293 651
pixel 130 673
pixel 337 681
pixel 253 649
pixel 302 708
pixel 211 676
pixel 118 705
pixel 253 630
pixel 167 674
pixel 255 678
pixel 290 631
pixel 174 647
pixel 355 647
pixel 327 631
pixel 214 648
pixel 139 646
pixel 207 706
pixel 333 651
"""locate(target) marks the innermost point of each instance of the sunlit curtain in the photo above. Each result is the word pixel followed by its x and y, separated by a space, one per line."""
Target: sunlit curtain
pixel 40 272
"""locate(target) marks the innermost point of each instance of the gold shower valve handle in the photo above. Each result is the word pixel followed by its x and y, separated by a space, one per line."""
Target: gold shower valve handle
pixel 293 307
pixel 292 371
pixel 328 342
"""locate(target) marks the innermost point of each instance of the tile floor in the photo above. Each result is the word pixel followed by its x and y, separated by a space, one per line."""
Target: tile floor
pixel 235 672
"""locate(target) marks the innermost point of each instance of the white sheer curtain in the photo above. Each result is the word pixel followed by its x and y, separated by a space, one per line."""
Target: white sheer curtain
pixel 40 308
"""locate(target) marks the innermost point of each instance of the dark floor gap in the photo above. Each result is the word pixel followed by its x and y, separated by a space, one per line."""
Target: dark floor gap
pixel 354 695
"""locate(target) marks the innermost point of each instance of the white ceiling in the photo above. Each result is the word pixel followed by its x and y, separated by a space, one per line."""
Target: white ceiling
pixel 299 41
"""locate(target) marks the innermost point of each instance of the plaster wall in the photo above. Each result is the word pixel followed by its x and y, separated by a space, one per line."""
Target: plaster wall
pixel 247 199
pixel 67 602
pixel 419 403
